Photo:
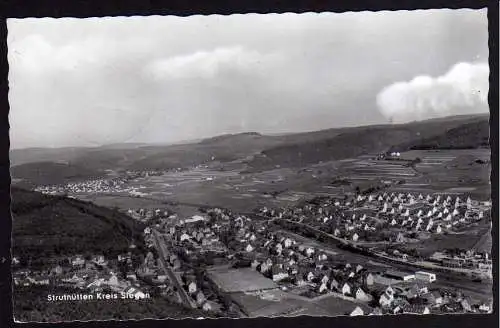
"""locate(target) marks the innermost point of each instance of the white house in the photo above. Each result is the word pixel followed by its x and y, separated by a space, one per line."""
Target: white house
pixel 357 312
pixel 192 288
pixel 322 288
pixel 346 289
pixel 334 284
pixel 362 295
pixel 184 236
pixel 387 297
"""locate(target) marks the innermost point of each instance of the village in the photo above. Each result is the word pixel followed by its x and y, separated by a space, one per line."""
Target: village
pixel 208 261
pixel 233 243
pixel 376 222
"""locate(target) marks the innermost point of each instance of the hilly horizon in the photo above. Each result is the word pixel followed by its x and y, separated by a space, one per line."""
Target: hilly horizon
pixel 121 145
pixel 260 152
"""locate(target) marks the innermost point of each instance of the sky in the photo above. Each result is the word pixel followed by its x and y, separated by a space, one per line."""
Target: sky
pixel 164 79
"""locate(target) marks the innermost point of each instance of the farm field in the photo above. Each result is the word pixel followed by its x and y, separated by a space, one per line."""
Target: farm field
pixel 243 192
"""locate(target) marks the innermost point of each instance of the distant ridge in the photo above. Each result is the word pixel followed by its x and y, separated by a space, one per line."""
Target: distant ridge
pixel 267 151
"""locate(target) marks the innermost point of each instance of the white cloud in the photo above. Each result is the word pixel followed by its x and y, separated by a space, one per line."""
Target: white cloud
pixel 463 89
pixel 207 64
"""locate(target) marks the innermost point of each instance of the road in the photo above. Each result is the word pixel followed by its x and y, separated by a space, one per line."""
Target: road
pixel 160 246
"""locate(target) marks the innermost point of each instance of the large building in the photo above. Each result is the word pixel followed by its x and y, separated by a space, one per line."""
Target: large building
pixel 425 276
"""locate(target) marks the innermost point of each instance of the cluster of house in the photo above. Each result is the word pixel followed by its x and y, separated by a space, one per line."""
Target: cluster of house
pixel 101 185
pixel 195 235
pixel 431 213
pixel 95 275
pixel 291 263
pixel 146 215
pixel 205 299
pixel 368 218
pixel 464 259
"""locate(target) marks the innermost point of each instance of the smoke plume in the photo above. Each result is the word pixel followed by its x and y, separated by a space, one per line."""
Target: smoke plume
pixel 462 90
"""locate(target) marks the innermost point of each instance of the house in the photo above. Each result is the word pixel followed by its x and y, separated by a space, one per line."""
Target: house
pixel 322 257
pixel 162 277
pixel 465 305
pixel 310 276
pixel 362 295
pixel 387 297
pixel 346 289
pixel 123 257
pixel 425 276
pixel 357 312
pixel 99 260
pixel 434 298
pixel 254 264
pixel 359 268
pixel 299 281
pixel 113 280
pixel 184 237
pixel 176 264
pixel 57 270
pixel 334 284
pixel 414 291
pixel 309 251
pixel 131 276
pixel 263 267
pixel 78 261
pixel 200 298
pixel 369 280
pixel 485 308
pixel 322 288
pixel 278 273
pixel 355 237
pixel 210 306
pixel 191 287
pixel 249 248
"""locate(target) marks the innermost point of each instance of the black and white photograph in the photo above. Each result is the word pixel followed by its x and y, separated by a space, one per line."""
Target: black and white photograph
pixel 250 165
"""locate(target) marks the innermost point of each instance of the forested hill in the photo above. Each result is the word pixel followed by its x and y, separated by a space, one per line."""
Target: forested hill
pixel 48 227
pixel 445 133
pixel 467 136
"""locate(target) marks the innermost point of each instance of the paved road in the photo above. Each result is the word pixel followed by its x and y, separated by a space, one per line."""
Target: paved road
pixel 173 278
